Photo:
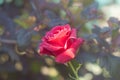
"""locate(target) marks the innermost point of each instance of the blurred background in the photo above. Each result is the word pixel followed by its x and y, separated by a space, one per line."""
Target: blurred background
pixel 24 22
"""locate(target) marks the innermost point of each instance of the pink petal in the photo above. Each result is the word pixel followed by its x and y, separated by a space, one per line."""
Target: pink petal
pixel 71 39
pixel 57 31
pixel 59 37
pixel 67 26
pixel 44 51
pixel 78 42
pixel 73 33
pixel 69 53
pixel 65 56
pixel 50 47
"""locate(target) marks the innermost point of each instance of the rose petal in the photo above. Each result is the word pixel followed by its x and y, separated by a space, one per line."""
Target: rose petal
pixel 69 53
pixel 71 39
pixel 44 51
pixel 50 47
pixel 67 26
pixel 78 42
pixel 65 56
pixel 73 33
pixel 60 37
pixel 57 30
pixel 59 41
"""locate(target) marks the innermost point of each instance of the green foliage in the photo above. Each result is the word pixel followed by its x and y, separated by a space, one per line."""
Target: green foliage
pixel 74 68
pixel 25 20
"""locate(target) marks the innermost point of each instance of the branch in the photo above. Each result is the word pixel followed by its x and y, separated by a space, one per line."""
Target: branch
pixel 13 41
pixel 8 41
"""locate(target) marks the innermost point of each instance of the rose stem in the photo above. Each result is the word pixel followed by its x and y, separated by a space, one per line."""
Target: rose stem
pixel 73 69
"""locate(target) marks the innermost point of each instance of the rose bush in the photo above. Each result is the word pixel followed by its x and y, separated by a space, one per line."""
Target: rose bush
pixel 61 42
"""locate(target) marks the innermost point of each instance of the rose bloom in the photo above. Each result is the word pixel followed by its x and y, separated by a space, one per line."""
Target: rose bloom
pixel 61 42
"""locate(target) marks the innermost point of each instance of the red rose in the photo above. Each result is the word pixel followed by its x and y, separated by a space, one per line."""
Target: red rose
pixel 61 42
